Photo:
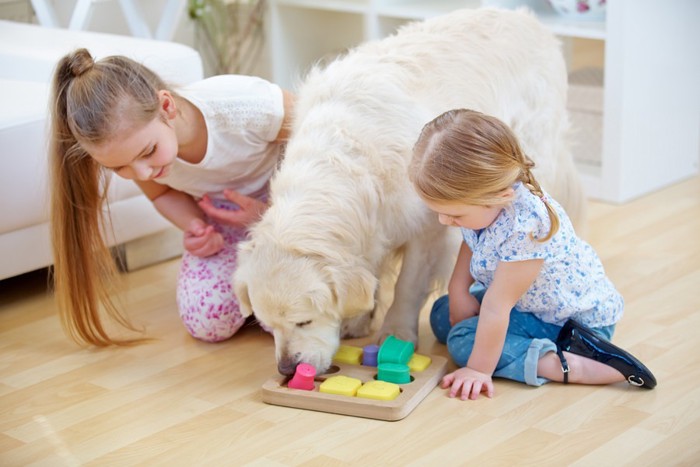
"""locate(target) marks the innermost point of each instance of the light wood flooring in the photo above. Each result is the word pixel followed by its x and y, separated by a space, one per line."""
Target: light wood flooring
pixel 181 402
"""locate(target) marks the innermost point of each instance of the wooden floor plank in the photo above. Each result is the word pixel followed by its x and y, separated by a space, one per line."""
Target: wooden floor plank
pixel 177 401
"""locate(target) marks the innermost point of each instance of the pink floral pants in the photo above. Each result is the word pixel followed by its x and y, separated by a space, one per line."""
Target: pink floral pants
pixel 208 307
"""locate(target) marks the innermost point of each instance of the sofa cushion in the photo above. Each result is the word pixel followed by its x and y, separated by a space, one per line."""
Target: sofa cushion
pixel 28 57
pixel 30 52
pixel 23 155
pixel 23 159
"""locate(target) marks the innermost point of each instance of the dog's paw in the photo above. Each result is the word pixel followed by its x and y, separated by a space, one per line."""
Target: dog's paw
pixel 405 334
pixel 358 326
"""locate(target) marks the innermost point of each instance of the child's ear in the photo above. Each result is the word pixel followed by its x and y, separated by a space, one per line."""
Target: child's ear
pixel 167 103
pixel 507 195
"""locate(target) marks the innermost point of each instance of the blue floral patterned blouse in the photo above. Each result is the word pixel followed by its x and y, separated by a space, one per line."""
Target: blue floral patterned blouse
pixel 572 282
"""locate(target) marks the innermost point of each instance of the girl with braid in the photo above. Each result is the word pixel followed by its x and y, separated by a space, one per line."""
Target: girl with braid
pixel 528 300
pixel 202 154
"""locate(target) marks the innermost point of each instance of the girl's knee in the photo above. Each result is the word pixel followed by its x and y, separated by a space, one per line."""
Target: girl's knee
pixel 464 328
pixel 211 325
pixel 460 340
pixel 205 298
pixel 440 318
pixel 209 316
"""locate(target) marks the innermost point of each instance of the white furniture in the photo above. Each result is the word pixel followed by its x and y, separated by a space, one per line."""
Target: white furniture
pixel 651 121
pixel 28 55
pixel 82 10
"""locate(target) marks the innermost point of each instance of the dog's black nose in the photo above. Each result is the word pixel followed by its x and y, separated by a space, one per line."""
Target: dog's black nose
pixel 286 366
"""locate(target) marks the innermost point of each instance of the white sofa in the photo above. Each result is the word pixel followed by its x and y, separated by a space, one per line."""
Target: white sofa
pixel 28 55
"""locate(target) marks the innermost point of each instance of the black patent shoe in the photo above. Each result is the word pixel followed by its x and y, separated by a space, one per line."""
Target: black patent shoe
pixel 581 340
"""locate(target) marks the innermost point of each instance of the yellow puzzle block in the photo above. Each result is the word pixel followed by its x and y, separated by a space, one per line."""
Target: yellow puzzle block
pixel 348 354
pixel 342 385
pixel 419 362
pixel 379 390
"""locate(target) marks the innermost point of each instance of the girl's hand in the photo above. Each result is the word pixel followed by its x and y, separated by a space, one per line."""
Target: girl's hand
pixel 468 383
pixel 463 305
pixel 250 209
pixel 202 240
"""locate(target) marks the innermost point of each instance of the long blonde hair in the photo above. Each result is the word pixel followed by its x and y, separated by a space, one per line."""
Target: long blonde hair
pixel 466 156
pixel 91 100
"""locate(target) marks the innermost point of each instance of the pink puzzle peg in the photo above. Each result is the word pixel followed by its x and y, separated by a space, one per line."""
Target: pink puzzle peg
pixel 303 377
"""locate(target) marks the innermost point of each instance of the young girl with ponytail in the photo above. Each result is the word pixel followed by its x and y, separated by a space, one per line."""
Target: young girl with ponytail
pixel 202 154
pixel 528 300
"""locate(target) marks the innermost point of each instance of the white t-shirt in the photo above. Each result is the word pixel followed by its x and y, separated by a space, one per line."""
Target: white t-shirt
pixel 243 115
pixel 572 282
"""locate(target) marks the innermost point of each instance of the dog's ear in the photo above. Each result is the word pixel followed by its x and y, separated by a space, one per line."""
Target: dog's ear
pixel 354 288
pixel 240 283
pixel 246 246
pixel 240 288
pixel 322 298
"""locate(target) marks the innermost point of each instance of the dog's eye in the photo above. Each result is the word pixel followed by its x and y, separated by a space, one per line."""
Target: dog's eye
pixel 303 323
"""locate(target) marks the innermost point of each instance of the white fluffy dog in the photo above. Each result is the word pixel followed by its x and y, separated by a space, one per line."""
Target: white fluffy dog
pixel 342 208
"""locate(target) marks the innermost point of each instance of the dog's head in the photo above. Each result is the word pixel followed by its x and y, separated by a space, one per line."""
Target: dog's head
pixel 302 295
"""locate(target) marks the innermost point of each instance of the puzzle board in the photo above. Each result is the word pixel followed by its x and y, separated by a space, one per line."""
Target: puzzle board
pixel 276 392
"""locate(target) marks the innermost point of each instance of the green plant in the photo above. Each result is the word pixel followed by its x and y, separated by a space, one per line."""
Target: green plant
pixel 233 32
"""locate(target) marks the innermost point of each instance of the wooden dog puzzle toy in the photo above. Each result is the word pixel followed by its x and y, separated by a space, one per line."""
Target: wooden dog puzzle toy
pixel 384 383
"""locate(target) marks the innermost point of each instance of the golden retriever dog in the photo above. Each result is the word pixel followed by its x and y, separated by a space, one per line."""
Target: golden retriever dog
pixel 343 212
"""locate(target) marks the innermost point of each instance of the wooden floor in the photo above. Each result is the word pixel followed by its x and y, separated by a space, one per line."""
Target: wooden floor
pixel 182 402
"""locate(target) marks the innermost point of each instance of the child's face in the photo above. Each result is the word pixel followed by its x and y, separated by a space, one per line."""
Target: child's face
pixel 464 215
pixel 144 153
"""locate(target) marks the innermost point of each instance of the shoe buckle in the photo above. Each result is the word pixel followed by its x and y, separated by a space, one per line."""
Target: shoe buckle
pixel 633 382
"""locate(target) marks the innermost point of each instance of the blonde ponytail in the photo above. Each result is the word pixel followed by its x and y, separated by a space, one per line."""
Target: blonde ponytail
pixel 85 94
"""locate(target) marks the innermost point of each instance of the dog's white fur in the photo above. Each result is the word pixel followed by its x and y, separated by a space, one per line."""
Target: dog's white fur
pixel 342 207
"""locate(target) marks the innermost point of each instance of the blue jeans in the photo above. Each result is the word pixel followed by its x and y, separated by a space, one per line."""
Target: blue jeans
pixel 527 340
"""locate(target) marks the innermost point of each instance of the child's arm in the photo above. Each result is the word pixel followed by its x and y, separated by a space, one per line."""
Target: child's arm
pixel 285 129
pixel 249 209
pixel 463 305
pixel 511 281
pixel 181 209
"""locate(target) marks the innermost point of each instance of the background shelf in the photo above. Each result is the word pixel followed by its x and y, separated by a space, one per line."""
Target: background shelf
pixel 651 98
